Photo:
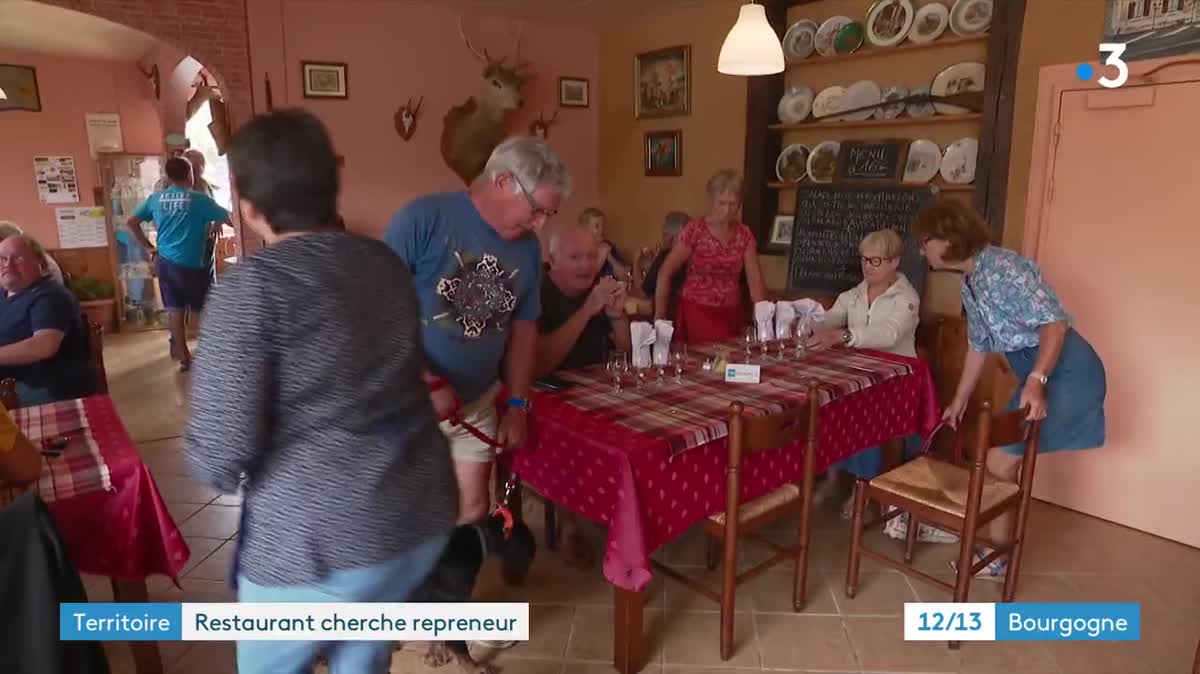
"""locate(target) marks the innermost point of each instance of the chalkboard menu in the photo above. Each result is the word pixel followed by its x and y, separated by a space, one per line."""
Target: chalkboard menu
pixel 830 222
pixel 871 161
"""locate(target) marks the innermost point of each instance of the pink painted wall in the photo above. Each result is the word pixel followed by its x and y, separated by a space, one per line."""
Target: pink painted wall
pixel 396 51
pixel 70 88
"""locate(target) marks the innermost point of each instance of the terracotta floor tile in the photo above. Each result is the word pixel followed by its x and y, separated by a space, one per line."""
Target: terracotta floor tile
pixel 878 594
pixel 801 642
pixel 213 521
pixel 880 646
pixel 216 566
pixel 592 635
pixel 693 639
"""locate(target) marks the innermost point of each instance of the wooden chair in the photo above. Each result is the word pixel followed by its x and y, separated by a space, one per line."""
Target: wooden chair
pixel 955 498
pixel 747 435
pixel 95 335
pixel 8 394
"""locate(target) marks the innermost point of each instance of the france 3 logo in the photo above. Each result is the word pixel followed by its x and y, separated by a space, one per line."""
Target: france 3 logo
pixel 1085 71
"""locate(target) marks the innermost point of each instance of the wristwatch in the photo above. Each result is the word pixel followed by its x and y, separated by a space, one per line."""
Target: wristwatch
pixel 1041 378
pixel 847 338
pixel 523 404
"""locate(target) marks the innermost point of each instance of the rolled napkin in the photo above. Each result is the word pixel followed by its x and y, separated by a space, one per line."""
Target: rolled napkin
pixel 642 336
pixel 810 309
pixel 785 319
pixel 663 330
pixel 764 316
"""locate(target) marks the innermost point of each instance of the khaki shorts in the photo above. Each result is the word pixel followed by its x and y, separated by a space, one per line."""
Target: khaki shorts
pixel 480 413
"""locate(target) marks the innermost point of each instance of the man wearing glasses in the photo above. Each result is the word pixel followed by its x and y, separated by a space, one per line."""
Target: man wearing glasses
pixel 477 269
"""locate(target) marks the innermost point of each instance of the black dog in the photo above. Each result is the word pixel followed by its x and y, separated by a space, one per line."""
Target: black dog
pixel 453 579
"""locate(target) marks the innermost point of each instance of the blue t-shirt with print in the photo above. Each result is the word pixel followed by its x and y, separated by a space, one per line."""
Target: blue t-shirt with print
pixel 182 217
pixel 471 284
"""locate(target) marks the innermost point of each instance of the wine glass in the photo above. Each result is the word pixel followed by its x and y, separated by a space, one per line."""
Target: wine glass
pixel 618 366
pixel 750 337
pixel 641 375
pixel 802 332
pixel 678 359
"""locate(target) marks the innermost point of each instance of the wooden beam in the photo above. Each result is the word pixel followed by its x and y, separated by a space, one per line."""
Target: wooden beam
pixel 995 137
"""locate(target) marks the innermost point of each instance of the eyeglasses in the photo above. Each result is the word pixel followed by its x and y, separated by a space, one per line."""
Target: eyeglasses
pixel 537 209
pixel 6 260
pixel 876 261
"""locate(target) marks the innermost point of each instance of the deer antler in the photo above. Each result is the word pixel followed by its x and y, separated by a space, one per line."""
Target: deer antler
pixel 418 108
pixel 463 34
pixel 520 63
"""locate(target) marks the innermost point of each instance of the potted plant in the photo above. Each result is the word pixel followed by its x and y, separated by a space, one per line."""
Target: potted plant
pixel 97 299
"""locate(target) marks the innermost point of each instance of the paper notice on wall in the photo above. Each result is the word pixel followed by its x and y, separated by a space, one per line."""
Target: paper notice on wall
pixel 104 132
pixel 81 227
pixel 56 180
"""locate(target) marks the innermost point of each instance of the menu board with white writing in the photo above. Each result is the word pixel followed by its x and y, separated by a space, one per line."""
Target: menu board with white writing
pixel 832 220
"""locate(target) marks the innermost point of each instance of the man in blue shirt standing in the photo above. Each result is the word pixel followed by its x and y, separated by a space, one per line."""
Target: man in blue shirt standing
pixel 183 217
pixel 477 268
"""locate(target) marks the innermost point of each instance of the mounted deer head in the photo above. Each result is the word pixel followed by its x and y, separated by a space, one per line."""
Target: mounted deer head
pixel 153 78
pixel 540 127
pixel 406 119
pixel 473 129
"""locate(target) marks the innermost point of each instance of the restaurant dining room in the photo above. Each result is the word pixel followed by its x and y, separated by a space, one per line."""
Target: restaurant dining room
pixel 664 336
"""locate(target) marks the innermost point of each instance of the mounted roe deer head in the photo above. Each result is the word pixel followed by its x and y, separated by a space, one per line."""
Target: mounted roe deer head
pixel 405 119
pixel 540 127
pixel 473 129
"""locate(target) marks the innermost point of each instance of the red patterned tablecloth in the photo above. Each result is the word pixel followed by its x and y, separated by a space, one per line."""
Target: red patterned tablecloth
pixel 604 464
pixel 102 496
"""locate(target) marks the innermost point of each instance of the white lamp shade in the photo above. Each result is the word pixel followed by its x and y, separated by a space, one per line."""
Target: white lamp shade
pixel 752 47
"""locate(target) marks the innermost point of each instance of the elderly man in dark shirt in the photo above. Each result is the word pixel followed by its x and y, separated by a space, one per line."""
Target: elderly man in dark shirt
pixel 43 343
pixel 580 315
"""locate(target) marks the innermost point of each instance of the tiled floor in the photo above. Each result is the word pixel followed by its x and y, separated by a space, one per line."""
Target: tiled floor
pixel 1071 557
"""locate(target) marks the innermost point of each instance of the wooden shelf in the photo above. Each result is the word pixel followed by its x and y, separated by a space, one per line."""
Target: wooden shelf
pixel 808 183
pixel 868 123
pixel 907 48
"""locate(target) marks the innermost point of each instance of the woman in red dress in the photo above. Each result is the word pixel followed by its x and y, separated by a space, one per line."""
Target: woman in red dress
pixel 716 248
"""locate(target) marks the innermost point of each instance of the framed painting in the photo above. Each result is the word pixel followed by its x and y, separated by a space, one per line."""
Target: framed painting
pixel 573 92
pixel 664 153
pixel 663 81
pixel 325 80
pixel 781 231
pixel 19 88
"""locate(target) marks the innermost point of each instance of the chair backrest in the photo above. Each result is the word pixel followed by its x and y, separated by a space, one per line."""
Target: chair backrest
pixel 8 394
pixel 95 336
pixel 999 430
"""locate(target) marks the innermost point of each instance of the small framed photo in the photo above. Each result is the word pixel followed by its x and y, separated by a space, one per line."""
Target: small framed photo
pixel 781 231
pixel 664 153
pixel 19 85
pixel 573 92
pixel 325 80
pixel 662 81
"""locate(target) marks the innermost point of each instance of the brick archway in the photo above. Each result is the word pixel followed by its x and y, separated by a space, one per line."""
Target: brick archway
pixel 214 32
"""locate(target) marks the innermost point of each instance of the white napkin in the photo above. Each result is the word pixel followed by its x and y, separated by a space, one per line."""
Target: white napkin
pixel 663 330
pixel 785 318
pixel 642 336
pixel 810 309
pixel 764 316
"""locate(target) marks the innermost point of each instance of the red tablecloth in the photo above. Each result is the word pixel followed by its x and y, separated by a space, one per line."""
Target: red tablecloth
pixel 101 494
pixel 631 481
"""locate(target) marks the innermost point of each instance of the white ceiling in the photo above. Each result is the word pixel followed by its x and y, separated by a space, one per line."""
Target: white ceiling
pixel 34 26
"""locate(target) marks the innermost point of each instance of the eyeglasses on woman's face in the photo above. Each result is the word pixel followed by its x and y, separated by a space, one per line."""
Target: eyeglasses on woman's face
pixel 874 260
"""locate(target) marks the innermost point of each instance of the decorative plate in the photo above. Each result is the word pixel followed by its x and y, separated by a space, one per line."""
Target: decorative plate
pixel 970 17
pixel 800 40
pixel 930 23
pixel 958 163
pixel 849 38
pixel 960 77
pixel 823 160
pixel 795 105
pixel 792 164
pixel 829 102
pixel 859 94
pixel 893 111
pixel 828 31
pixel 921 109
pixel 888 22
pixel 924 161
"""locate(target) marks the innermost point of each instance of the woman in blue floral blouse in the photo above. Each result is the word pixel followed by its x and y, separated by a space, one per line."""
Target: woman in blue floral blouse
pixel 1012 310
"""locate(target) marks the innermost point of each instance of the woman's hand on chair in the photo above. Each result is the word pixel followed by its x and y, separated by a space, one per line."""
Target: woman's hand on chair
pixel 954 412
pixel 1033 396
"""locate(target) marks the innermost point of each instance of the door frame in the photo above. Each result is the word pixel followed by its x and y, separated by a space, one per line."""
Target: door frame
pixel 1053 83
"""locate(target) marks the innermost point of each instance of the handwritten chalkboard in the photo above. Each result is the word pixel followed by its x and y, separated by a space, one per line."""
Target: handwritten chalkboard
pixel 871 161
pixel 831 220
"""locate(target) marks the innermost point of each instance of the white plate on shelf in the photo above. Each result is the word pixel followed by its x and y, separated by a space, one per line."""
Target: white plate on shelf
pixel 924 161
pixel 888 22
pixel 971 17
pixel 822 161
pixel 800 40
pixel 894 110
pixel 958 162
pixel 929 24
pixel 859 94
pixel 920 109
pixel 828 32
pixel 829 102
pixel 960 77
pixel 795 105
pixel 792 164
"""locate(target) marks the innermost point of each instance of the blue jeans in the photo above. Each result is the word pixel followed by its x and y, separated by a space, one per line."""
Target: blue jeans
pixel 30 395
pixel 868 463
pixel 391 581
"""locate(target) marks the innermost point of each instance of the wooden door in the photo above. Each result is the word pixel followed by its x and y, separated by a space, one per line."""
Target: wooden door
pixel 1119 238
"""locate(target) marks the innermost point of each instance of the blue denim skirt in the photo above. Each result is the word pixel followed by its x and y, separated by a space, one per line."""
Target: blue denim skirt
pixel 1075 396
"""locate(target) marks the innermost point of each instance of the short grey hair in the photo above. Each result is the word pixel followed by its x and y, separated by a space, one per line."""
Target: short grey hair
pixel 556 234
pixel 675 222
pixel 9 228
pixel 886 241
pixel 725 180
pixel 532 162
pixel 39 252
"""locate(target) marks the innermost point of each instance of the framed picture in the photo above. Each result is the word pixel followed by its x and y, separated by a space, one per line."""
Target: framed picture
pixel 1151 29
pixel 20 89
pixel 573 92
pixel 664 153
pixel 325 80
pixel 663 81
pixel 781 231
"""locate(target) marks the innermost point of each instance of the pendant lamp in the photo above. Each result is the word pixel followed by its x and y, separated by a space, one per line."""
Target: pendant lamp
pixel 752 46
